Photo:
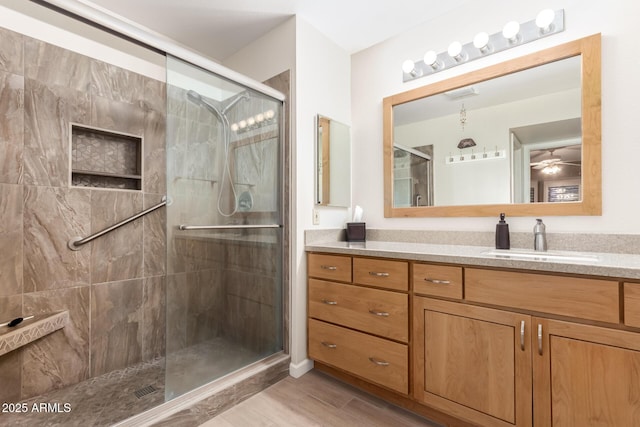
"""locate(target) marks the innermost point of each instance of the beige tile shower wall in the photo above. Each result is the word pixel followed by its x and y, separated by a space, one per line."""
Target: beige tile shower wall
pixel 251 280
pixel 114 288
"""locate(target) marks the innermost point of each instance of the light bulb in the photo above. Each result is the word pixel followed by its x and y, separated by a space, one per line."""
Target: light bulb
pixel 455 51
pixel 510 31
pixel 251 121
pixel 259 118
pixel 234 127
pixel 408 66
pixel 481 41
pixel 431 59
pixel 269 114
pixel 545 19
pixel 242 124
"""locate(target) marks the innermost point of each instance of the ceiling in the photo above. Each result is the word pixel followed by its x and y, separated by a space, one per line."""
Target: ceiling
pixel 219 28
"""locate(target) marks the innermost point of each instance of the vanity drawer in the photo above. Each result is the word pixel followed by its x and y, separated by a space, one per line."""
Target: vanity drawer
pixel 375 311
pixel 632 304
pixel 382 273
pixel 591 299
pixel 333 267
pixel 438 280
pixel 374 359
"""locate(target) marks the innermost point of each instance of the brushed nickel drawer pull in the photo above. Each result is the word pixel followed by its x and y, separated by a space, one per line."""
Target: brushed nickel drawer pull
pixel 329 267
pixel 328 302
pixel 379 313
pixel 540 339
pixel 437 281
pixel 378 362
pixel 374 273
pixel 522 335
pixel 329 345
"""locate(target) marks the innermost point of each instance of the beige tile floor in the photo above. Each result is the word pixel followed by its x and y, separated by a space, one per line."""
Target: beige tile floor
pixel 315 399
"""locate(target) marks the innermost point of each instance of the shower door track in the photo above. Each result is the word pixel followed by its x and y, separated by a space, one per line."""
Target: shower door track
pixel 227 227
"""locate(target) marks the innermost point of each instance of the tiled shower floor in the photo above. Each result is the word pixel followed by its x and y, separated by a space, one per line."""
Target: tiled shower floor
pixel 109 398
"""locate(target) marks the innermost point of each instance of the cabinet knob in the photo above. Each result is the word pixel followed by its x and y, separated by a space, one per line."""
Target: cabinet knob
pixel 437 281
pixel 375 273
pixel 378 362
pixel 540 339
pixel 379 313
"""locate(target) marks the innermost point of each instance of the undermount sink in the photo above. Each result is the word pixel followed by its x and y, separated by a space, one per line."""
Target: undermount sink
pixel 540 256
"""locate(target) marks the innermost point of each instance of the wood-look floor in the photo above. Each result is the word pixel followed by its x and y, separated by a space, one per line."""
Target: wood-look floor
pixel 315 399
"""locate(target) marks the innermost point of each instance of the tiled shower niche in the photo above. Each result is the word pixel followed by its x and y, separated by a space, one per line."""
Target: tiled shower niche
pixel 105 159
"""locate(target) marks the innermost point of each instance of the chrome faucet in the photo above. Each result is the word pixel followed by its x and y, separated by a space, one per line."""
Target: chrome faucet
pixel 539 236
pixel 418 198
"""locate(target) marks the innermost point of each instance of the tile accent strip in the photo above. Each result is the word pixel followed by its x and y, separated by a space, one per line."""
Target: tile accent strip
pixel 31 330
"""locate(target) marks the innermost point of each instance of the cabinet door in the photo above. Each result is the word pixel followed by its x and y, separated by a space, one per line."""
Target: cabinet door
pixel 473 362
pixel 585 375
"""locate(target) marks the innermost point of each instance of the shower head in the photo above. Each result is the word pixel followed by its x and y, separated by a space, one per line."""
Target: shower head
pixel 234 101
pixel 196 98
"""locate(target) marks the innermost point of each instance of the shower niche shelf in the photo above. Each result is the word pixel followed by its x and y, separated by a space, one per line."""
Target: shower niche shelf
pixel 105 159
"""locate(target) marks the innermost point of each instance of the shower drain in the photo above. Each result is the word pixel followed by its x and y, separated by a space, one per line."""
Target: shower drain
pixel 144 391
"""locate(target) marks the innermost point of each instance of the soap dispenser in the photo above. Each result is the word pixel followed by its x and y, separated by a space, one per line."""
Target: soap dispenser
pixel 502 234
pixel 539 236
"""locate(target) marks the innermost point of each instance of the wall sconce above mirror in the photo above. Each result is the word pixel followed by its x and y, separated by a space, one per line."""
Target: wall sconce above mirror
pixel 333 163
pixel 513 34
pixel 535 122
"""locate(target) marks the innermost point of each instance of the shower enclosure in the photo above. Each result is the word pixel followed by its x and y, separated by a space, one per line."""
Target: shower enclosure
pixel 224 227
pixel 146 232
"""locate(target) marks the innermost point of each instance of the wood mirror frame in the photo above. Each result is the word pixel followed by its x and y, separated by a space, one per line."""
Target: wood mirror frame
pixel 591 204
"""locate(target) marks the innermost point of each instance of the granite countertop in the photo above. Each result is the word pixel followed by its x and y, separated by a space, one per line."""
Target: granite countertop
pixel 623 266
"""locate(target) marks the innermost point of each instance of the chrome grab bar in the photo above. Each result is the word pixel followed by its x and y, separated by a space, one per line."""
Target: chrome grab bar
pixel 75 244
pixel 226 227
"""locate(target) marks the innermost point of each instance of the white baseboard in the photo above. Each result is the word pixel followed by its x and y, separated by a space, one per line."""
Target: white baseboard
pixel 296 370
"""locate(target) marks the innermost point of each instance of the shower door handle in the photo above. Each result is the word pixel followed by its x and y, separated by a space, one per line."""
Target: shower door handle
pixel 227 227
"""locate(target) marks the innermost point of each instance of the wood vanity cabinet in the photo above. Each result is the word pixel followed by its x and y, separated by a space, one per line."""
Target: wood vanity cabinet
pixel 361 324
pixel 472 362
pixel 585 375
pixel 491 366
pixel 497 348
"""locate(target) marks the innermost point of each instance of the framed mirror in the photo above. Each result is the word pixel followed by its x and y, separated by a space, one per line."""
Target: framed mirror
pixel 333 163
pixel 521 137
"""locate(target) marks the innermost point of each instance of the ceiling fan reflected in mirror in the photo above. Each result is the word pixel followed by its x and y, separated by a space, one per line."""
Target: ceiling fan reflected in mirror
pixel 551 165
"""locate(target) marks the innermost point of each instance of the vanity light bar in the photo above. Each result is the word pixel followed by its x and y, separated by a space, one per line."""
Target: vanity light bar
pixel 547 23
pixel 475 157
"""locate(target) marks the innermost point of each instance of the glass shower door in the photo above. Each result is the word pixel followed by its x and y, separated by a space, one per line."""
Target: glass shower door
pixel 224 227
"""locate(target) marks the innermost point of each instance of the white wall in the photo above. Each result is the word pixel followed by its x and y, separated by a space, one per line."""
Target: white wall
pixel 376 74
pixel 321 73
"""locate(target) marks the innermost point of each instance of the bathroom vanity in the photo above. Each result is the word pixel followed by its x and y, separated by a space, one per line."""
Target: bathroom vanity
pixel 468 336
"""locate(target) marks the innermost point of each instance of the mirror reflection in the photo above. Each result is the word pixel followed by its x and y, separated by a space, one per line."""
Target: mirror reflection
pixel 333 162
pixel 512 139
